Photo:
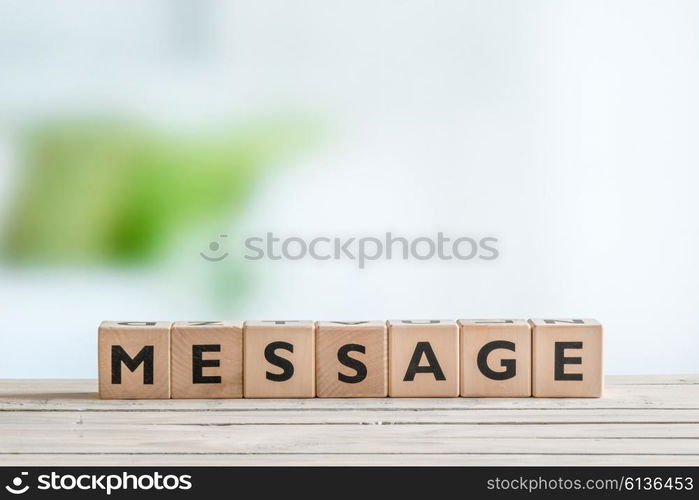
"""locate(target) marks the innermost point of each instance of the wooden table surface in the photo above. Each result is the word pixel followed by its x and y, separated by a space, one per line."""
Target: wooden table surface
pixel 641 420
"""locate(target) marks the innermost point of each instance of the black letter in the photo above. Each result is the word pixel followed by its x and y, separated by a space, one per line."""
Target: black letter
pixel 284 364
pixel 344 358
pixel 510 365
pixel 561 361
pixel 198 364
pixel 414 366
pixel 144 356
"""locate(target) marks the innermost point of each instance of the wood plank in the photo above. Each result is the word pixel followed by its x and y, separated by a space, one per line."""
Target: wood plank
pixel 428 438
pixel 560 459
pixel 686 379
pixel 360 417
pixel 577 431
pixel 81 395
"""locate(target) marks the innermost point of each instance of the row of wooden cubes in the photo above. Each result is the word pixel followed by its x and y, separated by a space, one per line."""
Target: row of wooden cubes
pixel 328 359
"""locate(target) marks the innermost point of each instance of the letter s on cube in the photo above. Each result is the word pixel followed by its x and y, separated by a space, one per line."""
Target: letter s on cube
pixel 279 359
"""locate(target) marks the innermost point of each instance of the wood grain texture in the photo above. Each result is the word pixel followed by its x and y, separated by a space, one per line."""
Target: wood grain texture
pixel 226 340
pixel 475 335
pixel 581 358
pixel 351 459
pixel 641 420
pixel 369 346
pixel 296 347
pixel 145 344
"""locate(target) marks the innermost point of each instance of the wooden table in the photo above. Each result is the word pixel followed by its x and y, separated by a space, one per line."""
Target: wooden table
pixel 641 420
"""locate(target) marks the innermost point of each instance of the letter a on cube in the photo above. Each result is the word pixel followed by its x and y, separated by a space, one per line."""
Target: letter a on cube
pixel 423 358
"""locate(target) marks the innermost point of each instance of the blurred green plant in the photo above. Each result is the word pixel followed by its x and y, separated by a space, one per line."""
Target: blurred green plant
pixel 107 192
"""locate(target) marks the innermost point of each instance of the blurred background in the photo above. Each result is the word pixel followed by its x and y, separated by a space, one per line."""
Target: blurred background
pixel 133 134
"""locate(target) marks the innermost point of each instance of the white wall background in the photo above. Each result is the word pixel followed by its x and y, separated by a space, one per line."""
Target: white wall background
pixel 568 129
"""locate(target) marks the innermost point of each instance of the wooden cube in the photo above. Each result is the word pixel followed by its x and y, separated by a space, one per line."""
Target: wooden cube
pixel 495 358
pixel 567 358
pixel 423 358
pixel 206 359
pixel 279 359
pixel 134 359
pixel 351 359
